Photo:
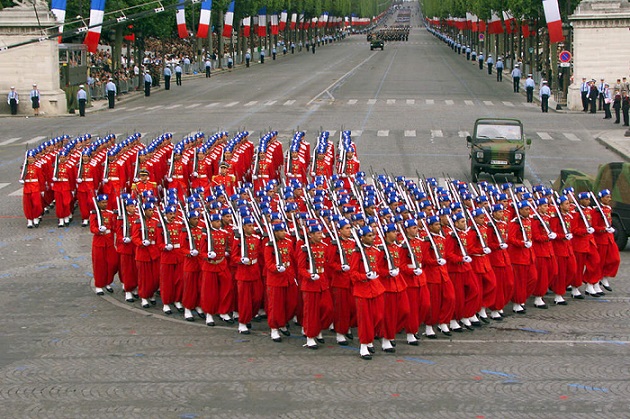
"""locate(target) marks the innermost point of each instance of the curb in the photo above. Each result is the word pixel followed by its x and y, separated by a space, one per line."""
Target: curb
pixel 615 149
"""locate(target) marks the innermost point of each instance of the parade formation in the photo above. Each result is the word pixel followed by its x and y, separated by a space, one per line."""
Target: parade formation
pixel 228 230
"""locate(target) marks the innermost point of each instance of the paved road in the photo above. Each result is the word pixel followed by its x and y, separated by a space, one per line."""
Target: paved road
pixel 68 353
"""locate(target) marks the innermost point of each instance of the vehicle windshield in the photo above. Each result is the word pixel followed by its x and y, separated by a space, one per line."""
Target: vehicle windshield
pixel 498 133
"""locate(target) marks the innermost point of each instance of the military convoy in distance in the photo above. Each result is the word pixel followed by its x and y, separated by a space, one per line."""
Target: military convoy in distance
pixel 378 38
pixel 497 146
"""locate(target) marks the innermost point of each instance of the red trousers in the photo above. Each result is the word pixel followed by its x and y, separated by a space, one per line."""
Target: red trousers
pixel 546 270
pixel 86 204
pixel 344 309
pixel 191 286
pixel 566 267
pixel 148 278
pixel 505 287
pixel 369 317
pixel 281 302
pixel 128 272
pixel 487 288
pixel 395 312
pixel 250 295
pixel 442 302
pixel 609 259
pixel 216 292
pixel 318 312
pixel 588 267
pixel 171 282
pixel 524 278
pixel 467 295
pixel 104 265
pixel 63 202
pixel 32 204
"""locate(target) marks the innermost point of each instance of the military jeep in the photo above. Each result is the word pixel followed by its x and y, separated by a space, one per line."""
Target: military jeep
pixel 498 146
pixel 375 41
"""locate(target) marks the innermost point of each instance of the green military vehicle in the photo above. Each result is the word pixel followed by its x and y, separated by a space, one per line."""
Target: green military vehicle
pixel 614 176
pixel 375 42
pixel 497 146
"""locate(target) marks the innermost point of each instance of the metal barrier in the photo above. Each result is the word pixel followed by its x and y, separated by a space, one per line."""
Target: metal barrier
pixel 560 97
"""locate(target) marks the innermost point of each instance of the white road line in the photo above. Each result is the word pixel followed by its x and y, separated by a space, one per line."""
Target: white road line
pixel 10 140
pixel 250 103
pixel 211 105
pixel 508 104
pixel 391 101
pixel 155 107
pixel 137 108
pixel 4 185
pixel 544 136
pixel 289 102
pixel 410 133
pixel 357 132
pixel 34 140
pixel 19 192
pixel 437 133
pixel 449 102
pixel 194 105
pixel 229 105
pixel 463 134
pixel 469 103
pixel 332 132
pixel 528 104
pixel 382 133
pixel 177 105
pixel 352 102
pixel 488 103
pixel 371 101
pixel 270 102
pixel 411 101
pixel 429 101
pixel 571 136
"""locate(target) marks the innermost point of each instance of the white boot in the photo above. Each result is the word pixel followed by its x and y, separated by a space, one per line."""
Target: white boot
pixel 61 224
pixel 387 346
pixel 188 315
pixel 559 300
pixel 466 322
pixel 605 282
pixel 539 302
pixel 341 339
pixel 29 223
pixel 242 329
pixel 575 291
pixel 129 297
pixel 482 313
pixel 99 291
pixel 598 289
pixel 66 220
pixel 455 327
pixel 178 305
pixel 311 343
pixel 167 309
pixel 411 339
pixel 590 290
pixel 275 335
pixel 209 320
pixel 429 332
pixel 517 308
pixel 85 223
pixel 36 222
pixel 494 315
pixel 145 303
pixel 199 311
pixel 365 352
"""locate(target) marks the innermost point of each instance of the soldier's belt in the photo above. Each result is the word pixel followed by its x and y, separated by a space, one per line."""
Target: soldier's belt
pixel 62 180
pixel 215 261
pixel 177 177
pixel 177 246
pixel 114 178
pixel 88 179
pixel 202 176
pixel 30 180
pixel 320 270
pixel 410 266
pixel 477 255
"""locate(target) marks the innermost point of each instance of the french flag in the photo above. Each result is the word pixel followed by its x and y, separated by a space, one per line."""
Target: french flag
pixel 554 23
pixel 262 22
pixel 97 11
pixel 247 24
pixel 229 21
pixel 301 26
pixel 510 22
pixel 283 20
pixel 494 24
pixel 58 8
pixel 204 19
pixel 293 21
pixel 274 24
pixel 181 20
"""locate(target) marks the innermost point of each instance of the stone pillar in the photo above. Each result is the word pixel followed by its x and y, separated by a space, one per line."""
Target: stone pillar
pixel 600 44
pixel 32 63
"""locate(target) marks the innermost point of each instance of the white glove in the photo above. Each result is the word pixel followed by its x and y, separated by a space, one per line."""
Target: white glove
pixel 195 174
pixel 503 246
pixel 21 180
pixel 102 229
pixel 107 231
pixel 212 255
pixel 568 236
pixel 146 243
pixel 590 230
pixel 254 177
pixel 105 180
pixel 610 230
pixel 168 247
pixel 394 272
pixel 54 179
pixel 281 268
pixel 79 180
pixel 467 259
pixel 245 261
pixel 126 240
pixel 345 268
pixel 194 252
pixel 312 174
pixel 314 277
pixel 417 271
pixel 170 179
pixel 552 236
pixel 136 179
pixel 441 261
pixel 528 245
pixel 487 250
pixel 343 175
pixel 371 275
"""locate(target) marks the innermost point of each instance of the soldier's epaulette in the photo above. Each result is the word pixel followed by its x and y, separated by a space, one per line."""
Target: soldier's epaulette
pixel 256 236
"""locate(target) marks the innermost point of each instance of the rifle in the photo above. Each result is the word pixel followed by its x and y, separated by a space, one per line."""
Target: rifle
pixel 600 209
pixel 97 210
pixel 143 223
pixel 388 255
pixel 191 239
pixel 438 255
pixel 24 166
pixel 165 232
pixel 476 227
pixel 518 216
pixel 309 252
pixel 364 258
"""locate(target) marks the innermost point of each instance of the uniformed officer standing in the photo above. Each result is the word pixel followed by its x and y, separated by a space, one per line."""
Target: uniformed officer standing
pixel 35 99
pixel 82 99
pixel 148 80
pixel 248 58
pixel 499 69
pixel 529 88
pixel 13 99
pixel 167 77
pixel 178 75
pixel 111 92
pixel 516 78
pixel 490 62
pixel 208 67
pixel 544 93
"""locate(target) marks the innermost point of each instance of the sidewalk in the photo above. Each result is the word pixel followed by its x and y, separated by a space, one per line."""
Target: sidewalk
pixel 617 140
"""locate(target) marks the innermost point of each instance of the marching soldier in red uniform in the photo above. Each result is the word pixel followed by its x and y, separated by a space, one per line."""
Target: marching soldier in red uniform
pixel 521 255
pixel 561 224
pixel 63 179
pixel 500 262
pixel 113 177
pixel 191 240
pixel 88 178
pixel 171 259
pixel 144 185
pixel 604 237
pixel 177 176
pixel 144 236
pixel 33 180
pixel 104 256
pixel 479 250
pixel 586 253
pixel 128 271
pixel 224 179
pixel 546 265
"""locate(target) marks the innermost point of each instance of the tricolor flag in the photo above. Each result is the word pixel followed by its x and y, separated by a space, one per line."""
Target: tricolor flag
pixel 247 24
pixel 229 21
pixel 301 26
pixel 293 21
pixel 510 22
pixel 554 22
pixel 283 20
pixel 494 24
pixel 273 21
pixel 58 8
pixel 262 22
pixel 97 10
pixel 204 19
pixel 181 20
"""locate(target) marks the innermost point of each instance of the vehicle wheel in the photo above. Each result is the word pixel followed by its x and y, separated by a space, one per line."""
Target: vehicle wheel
pixel 371 49
pixel 520 175
pixel 474 173
pixel 382 48
pixel 621 238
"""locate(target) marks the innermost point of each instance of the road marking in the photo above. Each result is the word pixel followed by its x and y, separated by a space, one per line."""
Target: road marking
pixel 411 101
pixel 410 133
pixel 528 104
pixel 527 184
pixel 371 101
pixel 155 107
pixel 340 80
pixel 332 132
pixel 463 134
pixel 544 136
pixel 571 136
pixel 391 101
pixel 488 103
pixel 449 102
pixel 211 105
pixel 34 140
pixel 508 104
pixel 251 103
pixel 289 102
pixel 352 102
pixel 10 140
pixel 177 105
pixel 137 108
pixel 3 185
pixel 270 102
pixel 19 192
pixel 382 133
pixel 357 132
pixel 194 105
pixel 229 105
pixel 469 103
pixel 437 133
pixel 429 101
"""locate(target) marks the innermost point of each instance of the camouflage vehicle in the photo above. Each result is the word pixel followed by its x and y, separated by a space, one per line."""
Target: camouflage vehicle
pixel 375 42
pixel 613 176
pixel 497 146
